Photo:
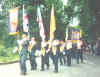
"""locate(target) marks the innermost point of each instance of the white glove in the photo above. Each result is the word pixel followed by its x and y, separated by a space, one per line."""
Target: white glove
pixel 15 50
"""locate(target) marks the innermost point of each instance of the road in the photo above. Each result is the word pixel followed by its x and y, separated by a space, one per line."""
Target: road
pixel 90 68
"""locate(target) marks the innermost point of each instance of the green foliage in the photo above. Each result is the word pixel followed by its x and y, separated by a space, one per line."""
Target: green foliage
pixel 6 54
pixel 5 51
pixel 64 16
pixel 80 9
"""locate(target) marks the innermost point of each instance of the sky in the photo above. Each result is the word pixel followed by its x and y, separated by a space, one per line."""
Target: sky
pixel 0 7
pixel 75 22
pixel 65 2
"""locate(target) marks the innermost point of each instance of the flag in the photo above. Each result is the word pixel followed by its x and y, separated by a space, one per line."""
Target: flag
pixel 52 24
pixel 76 35
pixel 66 33
pixel 80 33
pixel 13 21
pixel 39 20
pixel 25 21
pixel 72 35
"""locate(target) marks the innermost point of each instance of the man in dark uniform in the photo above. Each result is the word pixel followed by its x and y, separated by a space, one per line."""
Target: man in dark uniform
pixel 98 46
pixel 23 52
pixel 79 54
pixel 69 51
pixel 47 55
pixel 44 55
pixel 74 49
pixel 62 53
pixel 32 50
pixel 55 51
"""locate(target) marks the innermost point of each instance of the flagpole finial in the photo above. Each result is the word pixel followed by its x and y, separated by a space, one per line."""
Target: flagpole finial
pixel 23 6
pixel 52 5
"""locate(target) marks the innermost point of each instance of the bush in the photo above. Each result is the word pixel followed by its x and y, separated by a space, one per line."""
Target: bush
pixel 6 54
pixel 2 52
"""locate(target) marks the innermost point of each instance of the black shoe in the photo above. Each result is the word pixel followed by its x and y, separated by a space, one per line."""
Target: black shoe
pixel 82 62
pixel 61 64
pixel 77 62
pixel 35 68
pixel 32 69
pixel 47 68
pixel 64 63
pixel 23 73
pixel 42 70
pixel 68 65
pixel 55 71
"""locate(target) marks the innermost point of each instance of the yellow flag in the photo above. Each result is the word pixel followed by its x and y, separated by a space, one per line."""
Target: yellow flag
pixel 52 24
pixel 80 33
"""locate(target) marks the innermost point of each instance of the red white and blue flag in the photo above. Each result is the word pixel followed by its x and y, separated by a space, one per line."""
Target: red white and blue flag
pixel 39 20
pixel 25 21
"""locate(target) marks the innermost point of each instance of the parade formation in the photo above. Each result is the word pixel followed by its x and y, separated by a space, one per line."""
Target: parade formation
pixel 59 51
pixel 50 38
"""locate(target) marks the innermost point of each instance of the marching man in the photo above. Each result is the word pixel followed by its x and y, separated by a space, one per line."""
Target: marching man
pixel 44 55
pixel 55 51
pixel 69 51
pixel 23 52
pixel 32 50
pixel 79 51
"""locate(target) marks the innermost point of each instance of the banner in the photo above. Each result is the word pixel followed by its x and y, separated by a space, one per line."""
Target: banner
pixel 76 35
pixel 39 20
pixel 52 24
pixel 13 21
pixel 72 34
pixel 25 21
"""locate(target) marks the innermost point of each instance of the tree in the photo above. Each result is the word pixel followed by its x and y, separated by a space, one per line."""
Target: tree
pixel 64 15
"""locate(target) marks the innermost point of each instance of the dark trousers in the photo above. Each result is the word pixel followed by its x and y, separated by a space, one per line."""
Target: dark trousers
pixel 55 58
pixel 98 51
pixel 51 56
pixel 73 54
pixel 79 56
pixel 69 55
pixel 22 61
pixel 62 58
pixel 45 60
pixel 33 60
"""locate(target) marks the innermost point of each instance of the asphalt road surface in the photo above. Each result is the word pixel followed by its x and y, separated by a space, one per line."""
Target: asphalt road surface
pixel 90 68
